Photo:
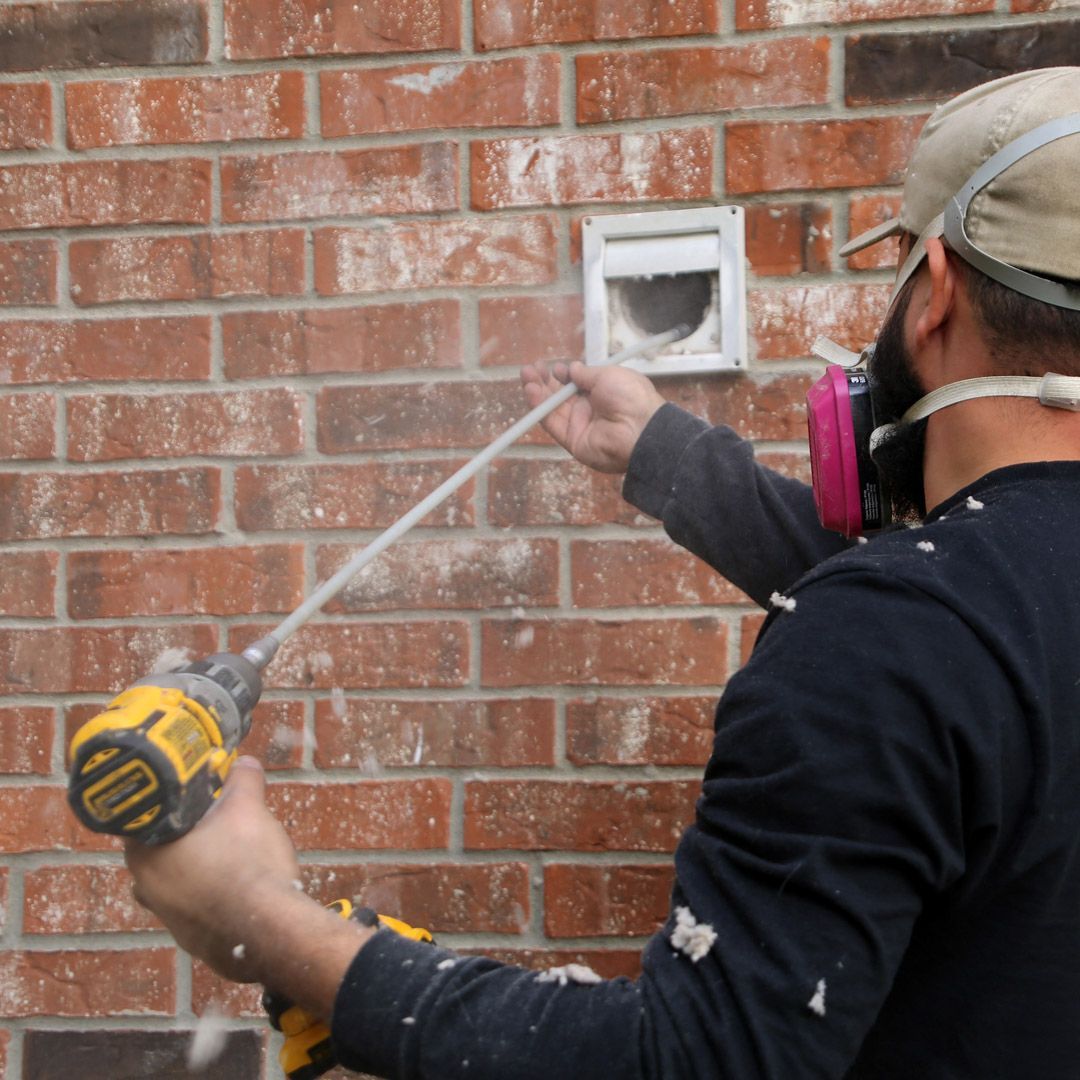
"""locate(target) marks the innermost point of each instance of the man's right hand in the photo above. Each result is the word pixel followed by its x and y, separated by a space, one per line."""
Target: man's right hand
pixel 602 423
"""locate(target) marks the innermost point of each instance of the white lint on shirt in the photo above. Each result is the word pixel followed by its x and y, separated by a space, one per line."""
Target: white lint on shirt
pixel 925 545
pixel 779 600
pixel 571 973
pixel 974 504
pixel 817 1003
pixel 691 937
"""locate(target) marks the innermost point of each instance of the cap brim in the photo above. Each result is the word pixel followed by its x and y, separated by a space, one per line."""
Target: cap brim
pixel 872 236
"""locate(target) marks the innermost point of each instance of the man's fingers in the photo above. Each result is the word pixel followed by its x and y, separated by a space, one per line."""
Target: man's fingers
pixel 246 780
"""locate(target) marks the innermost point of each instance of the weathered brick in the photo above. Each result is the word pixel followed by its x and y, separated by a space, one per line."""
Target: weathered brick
pixel 194 110
pixel 794 465
pixel 28 271
pixel 550 815
pixel 368 733
pixel 787 321
pixel 112 1053
pixel 25 113
pixel 585 652
pixel 516 330
pixel 643 573
pixel 59 660
pixel 192 581
pixel 78 193
pixel 41 506
pixel 789 238
pixel 243 423
pixel 235 1000
pixel 193 267
pixel 749 627
pixel 500 26
pixel 385 180
pixel 82 900
pixel 575 169
pixel 867 211
pixel 368 656
pixel 362 496
pixel 27 583
pixel 640 730
pixel 396 815
pixel 27 427
pixel 26 739
pixel 380 337
pixel 607 963
pixel 629 85
pixel 799 154
pixel 435 254
pixel 764 14
pixel 107 33
pixel 759 408
pixel 519 92
pixel 271 28
pixel 39 819
pixel 102 350
pixel 605 901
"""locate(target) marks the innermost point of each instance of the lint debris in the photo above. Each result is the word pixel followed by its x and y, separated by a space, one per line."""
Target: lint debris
pixel 817 1003
pixel 779 600
pixel 571 973
pixel 925 545
pixel 239 952
pixel 691 937
pixel 445 965
pixel 862 539
pixel 974 504
pixel 207 1040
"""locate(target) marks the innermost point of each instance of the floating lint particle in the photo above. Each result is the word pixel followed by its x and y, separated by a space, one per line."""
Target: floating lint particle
pixel 974 504
pixel 779 600
pixel 571 973
pixel 817 1003
pixel 690 937
pixel 239 952
pixel 862 539
pixel 925 545
pixel 446 964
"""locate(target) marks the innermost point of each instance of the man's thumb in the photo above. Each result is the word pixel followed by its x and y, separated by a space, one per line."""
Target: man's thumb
pixel 246 780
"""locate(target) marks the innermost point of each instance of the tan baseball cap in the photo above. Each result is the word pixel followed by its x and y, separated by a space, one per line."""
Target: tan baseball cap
pixel 996 171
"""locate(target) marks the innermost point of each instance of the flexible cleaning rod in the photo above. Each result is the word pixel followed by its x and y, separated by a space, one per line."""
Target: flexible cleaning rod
pixel 261 652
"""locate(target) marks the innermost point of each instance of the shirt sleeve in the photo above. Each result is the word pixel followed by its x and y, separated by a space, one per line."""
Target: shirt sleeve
pixel 830 815
pixel 759 529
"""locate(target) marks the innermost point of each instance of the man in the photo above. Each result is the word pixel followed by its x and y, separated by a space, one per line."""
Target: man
pixel 883 878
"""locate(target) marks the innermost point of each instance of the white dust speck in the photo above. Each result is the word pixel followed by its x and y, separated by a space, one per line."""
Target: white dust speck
pixel 171 659
pixel 524 637
pixel 925 545
pixel 408 1020
pixel 571 973
pixel 337 702
pixel 207 1040
pixel 446 964
pixel 817 1003
pixel 691 937
pixel 862 539
pixel 779 600
pixel 239 952
pixel 298 885
pixel 418 753
pixel 974 504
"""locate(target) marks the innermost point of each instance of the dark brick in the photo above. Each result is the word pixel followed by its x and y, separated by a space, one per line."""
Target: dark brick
pixel 882 68
pixel 119 1055
pixel 111 33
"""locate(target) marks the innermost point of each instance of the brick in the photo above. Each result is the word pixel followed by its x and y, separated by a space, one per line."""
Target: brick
pixel 137 112
pixel 632 85
pixel 787 321
pixel 106 905
pixel 375 815
pixel 643 573
pixel 385 180
pixel 640 730
pixel 794 465
pixel 788 239
pixel 363 496
pixel 43 506
pixel 552 815
pixel 193 581
pixel 435 254
pixel 502 26
pixel 113 1053
pixel 478 898
pixel 448 574
pixel 605 901
pixel 243 423
pixel 370 733
pixel 39 819
pixel 867 211
pixel 585 652
pixel 60 660
pixel 749 627
pixel 257 29
pixel 607 963
pixel 435 416
pixel 519 92
pixel 235 1000
pixel 576 169
pixel 765 14
pixel 379 337
pixel 108 33
pixel 105 350
pixel 27 427
pixel 25 113
pixel 516 330
pixel 26 739
pixel 79 193
pixel 796 155
pixel 368 656
pixel 28 271
pixel 27 584
pixel 194 267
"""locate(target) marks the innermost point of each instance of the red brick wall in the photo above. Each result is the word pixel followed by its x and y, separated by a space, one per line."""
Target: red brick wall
pixel 267 272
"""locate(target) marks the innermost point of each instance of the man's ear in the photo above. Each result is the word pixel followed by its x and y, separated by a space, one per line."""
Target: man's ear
pixel 939 298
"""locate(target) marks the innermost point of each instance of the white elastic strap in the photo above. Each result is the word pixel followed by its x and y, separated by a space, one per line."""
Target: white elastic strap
pixel 833 353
